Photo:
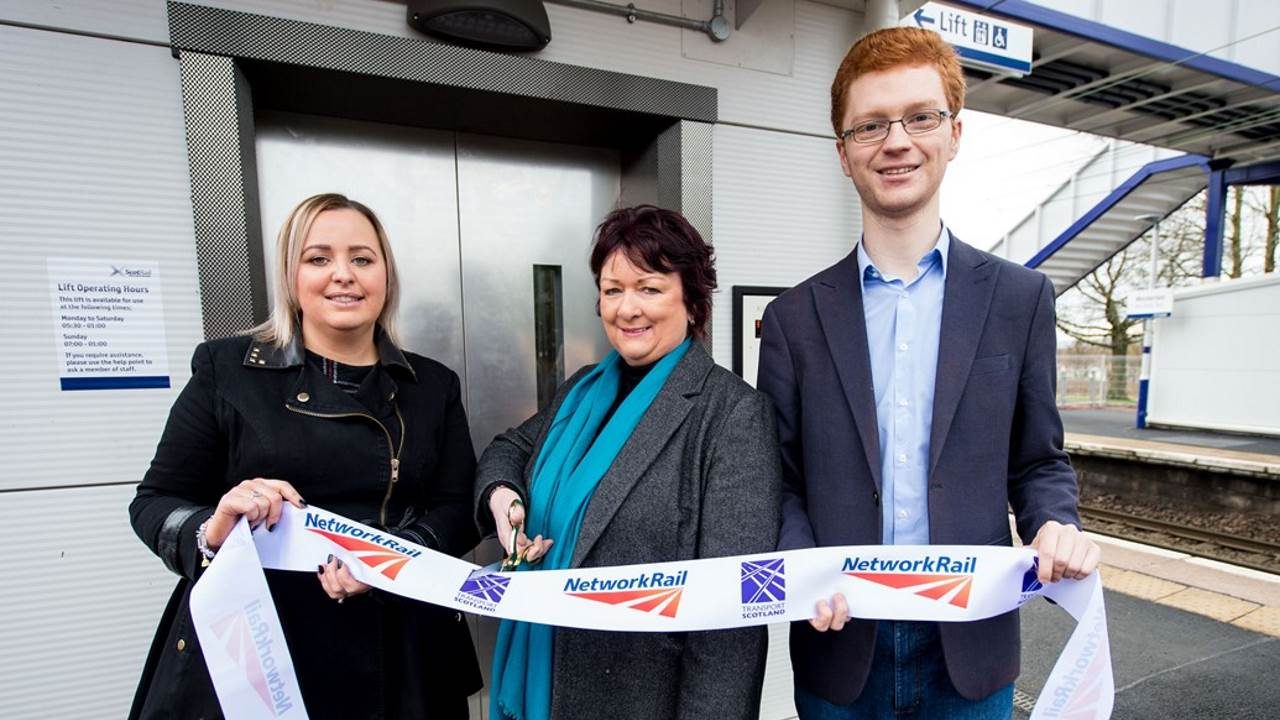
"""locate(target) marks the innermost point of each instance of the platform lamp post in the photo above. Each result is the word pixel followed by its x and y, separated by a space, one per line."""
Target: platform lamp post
pixel 1148 324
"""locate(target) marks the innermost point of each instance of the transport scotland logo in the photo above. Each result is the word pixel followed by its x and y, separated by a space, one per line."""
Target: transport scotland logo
pixel 656 593
pixel 1031 580
pixel 483 590
pixel 381 552
pixel 935 577
pixel 763 581
pixel 764 588
pixel 247 639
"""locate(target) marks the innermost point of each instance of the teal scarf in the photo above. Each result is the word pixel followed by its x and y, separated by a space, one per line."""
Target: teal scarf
pixel 569 466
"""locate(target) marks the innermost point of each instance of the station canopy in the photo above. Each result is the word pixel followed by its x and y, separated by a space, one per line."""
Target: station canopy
pixel 1097 79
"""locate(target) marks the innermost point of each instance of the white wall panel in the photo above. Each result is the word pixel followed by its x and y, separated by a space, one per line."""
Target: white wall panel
pixel 1222 28
pixel 783 211
pixel 1214 363
pixel 82 599
pixel 796 99
pixel 92 165
pixel 1202 25
pixel 142 20
pixel 1252 18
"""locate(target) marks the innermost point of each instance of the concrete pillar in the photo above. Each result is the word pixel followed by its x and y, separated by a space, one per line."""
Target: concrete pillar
pixel 881 14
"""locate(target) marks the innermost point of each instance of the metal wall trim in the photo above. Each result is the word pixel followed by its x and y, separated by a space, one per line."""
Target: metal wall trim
pixel 259 37
pixel 218 112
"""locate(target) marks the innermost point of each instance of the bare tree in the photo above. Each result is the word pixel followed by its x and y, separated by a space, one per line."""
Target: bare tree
pixel 1237 257
pixel 1100 321
pixel 1273 230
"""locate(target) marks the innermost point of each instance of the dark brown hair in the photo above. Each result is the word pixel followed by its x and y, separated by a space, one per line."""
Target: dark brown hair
pixel 661 241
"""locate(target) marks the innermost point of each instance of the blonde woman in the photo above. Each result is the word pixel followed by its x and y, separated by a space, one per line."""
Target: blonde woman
pixel 319 401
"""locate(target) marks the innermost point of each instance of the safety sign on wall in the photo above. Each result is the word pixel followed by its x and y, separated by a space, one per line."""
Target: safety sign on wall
pixel 108 320
pixel 980 40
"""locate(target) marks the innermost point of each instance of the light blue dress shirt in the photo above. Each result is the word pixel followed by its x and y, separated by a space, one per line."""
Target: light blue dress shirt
pixel 904 320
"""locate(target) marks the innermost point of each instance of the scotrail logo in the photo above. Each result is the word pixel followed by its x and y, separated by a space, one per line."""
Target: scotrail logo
pixel 935 577
pixel 248 641
pixel 380 552
pixel 764 588
pixel 483 590
pixel 656 592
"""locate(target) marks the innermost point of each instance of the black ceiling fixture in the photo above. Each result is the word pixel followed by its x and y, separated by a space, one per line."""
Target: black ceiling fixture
pixel 500 24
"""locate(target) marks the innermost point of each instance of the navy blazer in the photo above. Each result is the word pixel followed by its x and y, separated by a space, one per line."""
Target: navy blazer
pixel 996 442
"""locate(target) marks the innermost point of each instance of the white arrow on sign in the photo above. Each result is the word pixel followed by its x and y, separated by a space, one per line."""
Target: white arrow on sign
pixel 980 40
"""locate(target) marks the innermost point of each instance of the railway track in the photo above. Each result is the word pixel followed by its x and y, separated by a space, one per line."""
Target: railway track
pixel 1187 533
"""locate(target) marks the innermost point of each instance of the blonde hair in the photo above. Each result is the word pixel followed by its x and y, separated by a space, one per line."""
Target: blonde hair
pixel 284 320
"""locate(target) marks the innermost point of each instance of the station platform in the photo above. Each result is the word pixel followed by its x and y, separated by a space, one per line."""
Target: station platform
pixel 1108 427
pixel 1190 638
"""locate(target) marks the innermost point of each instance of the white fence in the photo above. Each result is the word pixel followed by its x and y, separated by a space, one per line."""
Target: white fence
pixel 1098 380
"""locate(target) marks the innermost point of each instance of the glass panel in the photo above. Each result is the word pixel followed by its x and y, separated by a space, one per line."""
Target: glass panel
pixel 548 323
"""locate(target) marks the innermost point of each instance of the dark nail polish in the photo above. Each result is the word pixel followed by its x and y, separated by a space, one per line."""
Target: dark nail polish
pixel 271 526
pixel 319 569
pixel 330 558
pixel 302 502
pixel 339 564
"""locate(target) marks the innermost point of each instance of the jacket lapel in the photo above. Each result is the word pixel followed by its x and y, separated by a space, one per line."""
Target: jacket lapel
pixel 966 301
pixel 647 441
pixel 837 296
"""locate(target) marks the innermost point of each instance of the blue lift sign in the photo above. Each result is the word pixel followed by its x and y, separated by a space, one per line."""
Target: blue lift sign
pixel 981 41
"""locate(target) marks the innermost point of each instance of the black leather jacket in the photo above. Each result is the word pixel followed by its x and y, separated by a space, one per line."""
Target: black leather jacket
pixel 253 410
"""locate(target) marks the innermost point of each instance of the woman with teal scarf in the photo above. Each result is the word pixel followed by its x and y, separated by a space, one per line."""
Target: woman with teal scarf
pixel 655 454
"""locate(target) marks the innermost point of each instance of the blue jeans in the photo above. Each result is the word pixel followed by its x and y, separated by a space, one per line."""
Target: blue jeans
pixel 908 680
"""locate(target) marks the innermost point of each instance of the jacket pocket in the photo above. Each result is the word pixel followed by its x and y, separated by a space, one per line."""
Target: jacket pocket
pixel 990 364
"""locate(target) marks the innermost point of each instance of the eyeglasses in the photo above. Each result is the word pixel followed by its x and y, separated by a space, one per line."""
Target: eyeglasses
pixel 917 123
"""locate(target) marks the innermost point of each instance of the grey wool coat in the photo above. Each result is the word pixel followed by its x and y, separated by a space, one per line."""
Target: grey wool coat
pixel 699 477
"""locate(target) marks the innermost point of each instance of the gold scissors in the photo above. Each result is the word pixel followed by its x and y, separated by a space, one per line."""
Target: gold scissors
pixel 513 560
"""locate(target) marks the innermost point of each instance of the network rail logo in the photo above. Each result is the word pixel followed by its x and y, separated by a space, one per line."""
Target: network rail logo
pixel 936 577
pixel 249 640
pixel 655 593
pixel 383 553
pixel 483 590
pixel 764 588
pixel 1082 691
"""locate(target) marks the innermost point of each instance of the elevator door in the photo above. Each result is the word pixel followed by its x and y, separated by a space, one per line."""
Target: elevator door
pixel 491 238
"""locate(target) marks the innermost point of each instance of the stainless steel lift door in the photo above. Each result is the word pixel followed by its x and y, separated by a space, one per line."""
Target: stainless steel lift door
pixel 469 218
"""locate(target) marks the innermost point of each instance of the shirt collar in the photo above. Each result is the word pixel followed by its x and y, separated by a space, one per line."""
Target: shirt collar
pixel 268 355
pixel 941 248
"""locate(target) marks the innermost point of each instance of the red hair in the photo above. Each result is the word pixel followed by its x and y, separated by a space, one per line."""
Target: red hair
pixel 893 48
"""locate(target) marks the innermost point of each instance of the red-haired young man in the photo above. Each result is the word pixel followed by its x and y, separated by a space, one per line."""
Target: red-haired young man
pixel 914 388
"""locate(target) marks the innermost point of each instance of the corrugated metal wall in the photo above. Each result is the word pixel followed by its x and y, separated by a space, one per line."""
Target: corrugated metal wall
pixel 92 165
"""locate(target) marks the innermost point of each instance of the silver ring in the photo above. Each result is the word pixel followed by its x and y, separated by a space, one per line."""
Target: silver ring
pixel 344 597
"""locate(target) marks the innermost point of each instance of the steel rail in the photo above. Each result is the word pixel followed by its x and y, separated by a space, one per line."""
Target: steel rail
pixel 1187 532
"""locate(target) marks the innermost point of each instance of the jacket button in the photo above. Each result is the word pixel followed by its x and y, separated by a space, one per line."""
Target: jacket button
pixel 875 497
pixel 303 397
pixel 457 617
pixel 182 644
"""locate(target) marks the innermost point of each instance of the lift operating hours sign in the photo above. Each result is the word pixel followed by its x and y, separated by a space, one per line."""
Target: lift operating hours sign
pixel 108 321
pixel 981 41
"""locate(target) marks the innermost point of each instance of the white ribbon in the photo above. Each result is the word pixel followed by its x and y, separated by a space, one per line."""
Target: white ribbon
pixel 253 674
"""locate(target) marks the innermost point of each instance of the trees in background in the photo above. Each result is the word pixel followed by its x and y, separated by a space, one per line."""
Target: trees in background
pixel 1092 313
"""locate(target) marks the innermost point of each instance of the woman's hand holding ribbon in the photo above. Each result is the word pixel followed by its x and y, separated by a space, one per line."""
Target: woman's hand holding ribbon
pixel 258 499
